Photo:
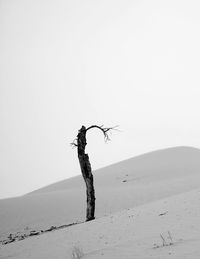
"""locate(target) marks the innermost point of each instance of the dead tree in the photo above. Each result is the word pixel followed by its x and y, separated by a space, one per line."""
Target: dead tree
pixel 86 170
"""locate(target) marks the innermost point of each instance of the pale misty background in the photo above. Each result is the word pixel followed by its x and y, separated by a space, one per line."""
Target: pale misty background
pixel 66 63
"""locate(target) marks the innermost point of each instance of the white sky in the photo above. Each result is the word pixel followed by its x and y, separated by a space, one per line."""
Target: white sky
pixel 114 62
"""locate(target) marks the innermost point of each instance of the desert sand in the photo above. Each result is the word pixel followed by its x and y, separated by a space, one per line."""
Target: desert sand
pixel 146 207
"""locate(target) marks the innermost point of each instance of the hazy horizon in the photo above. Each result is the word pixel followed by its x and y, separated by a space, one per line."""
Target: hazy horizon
pixel 64 64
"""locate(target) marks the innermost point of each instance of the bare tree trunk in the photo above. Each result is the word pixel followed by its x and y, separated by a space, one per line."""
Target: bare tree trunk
pixel 87 173
pixel 80 142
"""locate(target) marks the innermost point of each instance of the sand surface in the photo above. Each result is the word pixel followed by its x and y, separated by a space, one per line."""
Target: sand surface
pixel 138 200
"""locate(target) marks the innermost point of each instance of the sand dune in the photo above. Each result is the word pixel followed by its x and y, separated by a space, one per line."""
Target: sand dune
pixel 131 233
pixel 135 183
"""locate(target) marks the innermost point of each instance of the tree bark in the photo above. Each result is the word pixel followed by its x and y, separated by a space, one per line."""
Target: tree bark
pixel 87 173
pixel 80 142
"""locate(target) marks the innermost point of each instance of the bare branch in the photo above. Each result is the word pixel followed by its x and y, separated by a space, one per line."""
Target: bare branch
pixel 104 130
pixel 74 143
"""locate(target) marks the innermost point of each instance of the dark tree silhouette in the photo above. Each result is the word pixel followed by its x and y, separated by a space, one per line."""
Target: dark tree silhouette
pixel 86 170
